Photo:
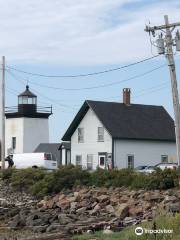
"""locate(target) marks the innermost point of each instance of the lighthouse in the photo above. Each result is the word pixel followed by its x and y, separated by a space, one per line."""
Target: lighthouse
pixel 26 125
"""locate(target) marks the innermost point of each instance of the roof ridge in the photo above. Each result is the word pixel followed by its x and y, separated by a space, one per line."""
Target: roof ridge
pixel 132 104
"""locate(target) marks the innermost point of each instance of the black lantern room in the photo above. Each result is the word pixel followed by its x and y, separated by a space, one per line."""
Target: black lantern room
pixel 27 102
pixel 27 107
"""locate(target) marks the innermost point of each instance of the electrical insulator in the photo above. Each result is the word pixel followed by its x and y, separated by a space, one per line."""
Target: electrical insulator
pixel 160 45
pixel 177 40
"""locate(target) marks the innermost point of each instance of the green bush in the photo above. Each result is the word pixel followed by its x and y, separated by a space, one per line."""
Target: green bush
pixel 44 186
pixel 22 180
pixel 163 179
pixel 40 182
pixel 116 178
pixel 63 178
pixel 7 174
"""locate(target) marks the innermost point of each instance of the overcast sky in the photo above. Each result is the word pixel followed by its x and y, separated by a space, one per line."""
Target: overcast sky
pixel 75 36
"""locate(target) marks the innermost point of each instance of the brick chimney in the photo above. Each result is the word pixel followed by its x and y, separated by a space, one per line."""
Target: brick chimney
pixel 127 96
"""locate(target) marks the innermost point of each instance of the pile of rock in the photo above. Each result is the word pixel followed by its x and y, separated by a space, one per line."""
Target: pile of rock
pixel 9 197
pixel 89 209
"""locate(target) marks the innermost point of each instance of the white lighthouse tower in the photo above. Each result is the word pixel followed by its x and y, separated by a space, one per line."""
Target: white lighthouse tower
pixel 26 125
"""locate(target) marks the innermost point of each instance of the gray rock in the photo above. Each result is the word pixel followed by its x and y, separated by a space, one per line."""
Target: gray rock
pixel 16 222
pixel 107 231
pixel 121 210
pixel 170 199
pixel 81 210
pixel 63 219
pixel 174 207
pixel 109 209
pixel 40 229
pixel 53 227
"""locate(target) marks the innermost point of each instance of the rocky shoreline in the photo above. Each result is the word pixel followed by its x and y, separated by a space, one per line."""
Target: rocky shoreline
pixel 80 210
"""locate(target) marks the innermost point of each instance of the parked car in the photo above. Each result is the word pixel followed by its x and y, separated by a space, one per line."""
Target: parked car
pixel 34 160
pixel 145 169
pixel 140 168
pixel 163 166
pixel 149 169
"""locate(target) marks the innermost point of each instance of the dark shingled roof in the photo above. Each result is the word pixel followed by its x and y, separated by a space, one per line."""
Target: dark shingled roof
pixel 27 93
pixel 66 145
pixel 49 148
pixel 133 121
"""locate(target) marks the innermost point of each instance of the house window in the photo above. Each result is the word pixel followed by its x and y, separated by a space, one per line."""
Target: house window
pixel 100 134
pixel 130 161
pixel 164 158
pixel 13 142
pixel 78 160
pixel 89 161
pixel 80 135
pixel 68 157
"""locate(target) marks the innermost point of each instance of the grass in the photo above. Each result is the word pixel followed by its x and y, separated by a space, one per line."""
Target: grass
pixel 162 222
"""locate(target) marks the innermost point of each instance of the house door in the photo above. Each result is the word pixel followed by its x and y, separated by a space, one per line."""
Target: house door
pixel 102 161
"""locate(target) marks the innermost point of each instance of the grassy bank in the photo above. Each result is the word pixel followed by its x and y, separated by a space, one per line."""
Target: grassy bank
pixel 162 222
pixel 40 182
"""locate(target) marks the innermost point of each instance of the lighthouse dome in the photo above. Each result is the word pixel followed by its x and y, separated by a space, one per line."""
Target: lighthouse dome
pixel 27 97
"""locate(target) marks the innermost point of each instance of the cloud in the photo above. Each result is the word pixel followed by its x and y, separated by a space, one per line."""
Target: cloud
pixel 79 32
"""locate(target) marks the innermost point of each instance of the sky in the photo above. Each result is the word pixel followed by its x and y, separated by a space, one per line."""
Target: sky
pixel 67 37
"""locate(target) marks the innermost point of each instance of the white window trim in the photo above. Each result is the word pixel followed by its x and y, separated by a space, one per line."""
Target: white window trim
pixel 90 163
pixel 14 143
pixel 100 135
pixel 130 155
pixel 80 160
pixel 81 137
pixel 164 155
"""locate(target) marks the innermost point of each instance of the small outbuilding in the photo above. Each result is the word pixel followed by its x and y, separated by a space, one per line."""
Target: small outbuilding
pixel 52 148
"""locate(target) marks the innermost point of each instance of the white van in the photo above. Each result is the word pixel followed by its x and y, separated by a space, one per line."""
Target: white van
pixel 34 160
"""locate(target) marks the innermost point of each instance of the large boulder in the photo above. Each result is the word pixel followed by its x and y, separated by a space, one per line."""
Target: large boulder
pixel 121 211
pixel 103 198
pixel 155 196
pixel 64 204
pixel 63 219
pixel 109 209
pixel 81 210
pixel 135 211
pixel 174 207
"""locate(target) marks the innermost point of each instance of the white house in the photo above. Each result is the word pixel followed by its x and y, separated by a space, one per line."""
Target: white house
pixel 121 135
pixel 26 126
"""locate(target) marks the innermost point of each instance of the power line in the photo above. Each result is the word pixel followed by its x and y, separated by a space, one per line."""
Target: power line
pixel 146 91
pixel 153 87
pixel 83 74
pixel 40 94
pixel 97 86
pixel 152 91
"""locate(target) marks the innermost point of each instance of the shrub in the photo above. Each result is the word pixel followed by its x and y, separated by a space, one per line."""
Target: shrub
pixel 43 186
pixel 63 178
pixel 140 180
pixel 66 177
pixel 22 180
pixel 7 174
pixel 163 179
pixel 40 182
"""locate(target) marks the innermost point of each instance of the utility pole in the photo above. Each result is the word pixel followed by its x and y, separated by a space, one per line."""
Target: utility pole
pixel 2 113
pixel 165 44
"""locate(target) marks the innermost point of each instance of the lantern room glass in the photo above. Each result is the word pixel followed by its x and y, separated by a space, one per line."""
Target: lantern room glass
pixel 27 100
